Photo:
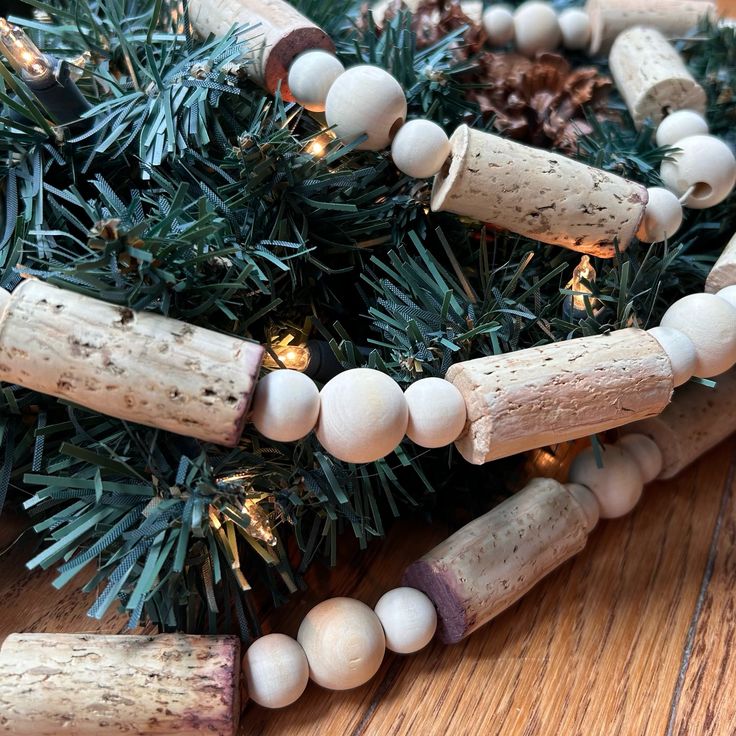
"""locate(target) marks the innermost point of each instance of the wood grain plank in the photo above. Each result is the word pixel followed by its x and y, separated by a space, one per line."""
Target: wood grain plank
pixel 594 649
pixel 705 700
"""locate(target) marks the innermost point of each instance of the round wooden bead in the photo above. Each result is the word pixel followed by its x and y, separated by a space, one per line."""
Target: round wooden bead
pixel 662 217
pixel 575 28
pixel 536 28
pixel 344 643
pixel 705 164
pixel 729 294
pixel 680 350
pixel 276 670
pixel 498 22
pixel 646 453
pixel 710 323
pixel 617 485
pixel 363 416
pixel 420 148
pixel 436 412
pixel 680 124
pixel 285 405
pixel 366 99
pixel 311 75
pixel 408 619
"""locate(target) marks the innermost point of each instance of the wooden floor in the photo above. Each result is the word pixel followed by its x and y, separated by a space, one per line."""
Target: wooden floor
pixel 634 637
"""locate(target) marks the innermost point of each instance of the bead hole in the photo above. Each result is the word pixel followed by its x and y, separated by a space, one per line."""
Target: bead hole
pixel 701 190
pixel 394 129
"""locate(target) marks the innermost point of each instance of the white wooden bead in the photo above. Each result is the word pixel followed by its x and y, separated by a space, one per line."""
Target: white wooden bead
pixel 344 643
pixel 680 350
pixel 617 485
pixel 436 412
pixel 363 416
pixel 710 322
pixel 408 618
pixel 729 294
pixel 498 22
pixel 536 28
pixel 705 163
pixel 680 124
pixel 575 28
pixel 311 75
pixel 276 670
pixel 662 217
pixel 646 453
pixel 366 99
pixel 285 405
pixel 420 148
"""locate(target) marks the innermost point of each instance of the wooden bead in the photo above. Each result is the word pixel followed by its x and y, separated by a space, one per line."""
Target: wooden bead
pixel 310 77
pixel 652 77
pixel 285 405
pixel 680 124
pixel 344 643
pixel 729 294
pixel 710 323
pixel 723 272
pixel 617 485
pixel 276 670
pixel 575 29
pixel 408 618
pixel 436 412
pixel 662 217
pixel 420 148
pixel 705 164
pixel 646 453
pixel 536 28
pixel 680 350
pixel 363 416
pixel 498 23
pixel 366 99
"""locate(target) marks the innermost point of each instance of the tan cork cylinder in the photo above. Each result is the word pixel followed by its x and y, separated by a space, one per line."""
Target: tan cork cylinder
pixel 539 194
pixel 723 273
pixel 672 18
pixel 698 419
pixel 494 560
pixel 561 391
pixel 87 685
pixel 652 77
pixel 280 34
pixel 137 366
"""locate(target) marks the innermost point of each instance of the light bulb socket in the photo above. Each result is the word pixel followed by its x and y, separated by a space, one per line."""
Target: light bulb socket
pixel 323 363
pixel 60 97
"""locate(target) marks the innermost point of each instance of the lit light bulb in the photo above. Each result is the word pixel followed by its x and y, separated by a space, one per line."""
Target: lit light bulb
pixel 22 53
pixel 574 306
pixel 258 528
pixel 315 148
pixel 294 357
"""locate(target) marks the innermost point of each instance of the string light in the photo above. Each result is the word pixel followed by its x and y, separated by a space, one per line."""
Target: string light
pixel 22 53
pixel 258 528
pixel 575 303
pixel 294 357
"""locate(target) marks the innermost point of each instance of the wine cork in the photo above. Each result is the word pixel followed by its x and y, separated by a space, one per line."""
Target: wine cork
pixel 558 392
pixel 539 194
pixel 277 33
pixel 490 563
pixel 137 366
pixel 652 77
pixel 672 18
pixel 723 273
pixel 698 419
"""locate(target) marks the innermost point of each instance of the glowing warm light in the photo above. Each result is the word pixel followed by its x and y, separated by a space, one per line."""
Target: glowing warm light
pixel 295 357
pixel 315 148
pixel 584 270
pixel 21 52
pixel 258 528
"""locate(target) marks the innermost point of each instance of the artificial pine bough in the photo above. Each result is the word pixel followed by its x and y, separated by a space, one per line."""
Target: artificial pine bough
pixel 188 191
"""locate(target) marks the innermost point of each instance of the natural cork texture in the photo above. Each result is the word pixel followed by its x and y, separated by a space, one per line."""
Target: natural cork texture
pixel 698 419
pixel 723 273
pixel 652 77
pixel 561 391
pixel 539 194
pixel 137 366
pixel 492 562
pixel 87 685
pixel 672 18
pixel 276 33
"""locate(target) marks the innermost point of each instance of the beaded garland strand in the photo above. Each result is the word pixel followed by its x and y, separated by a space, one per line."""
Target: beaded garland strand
pixel 361 415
